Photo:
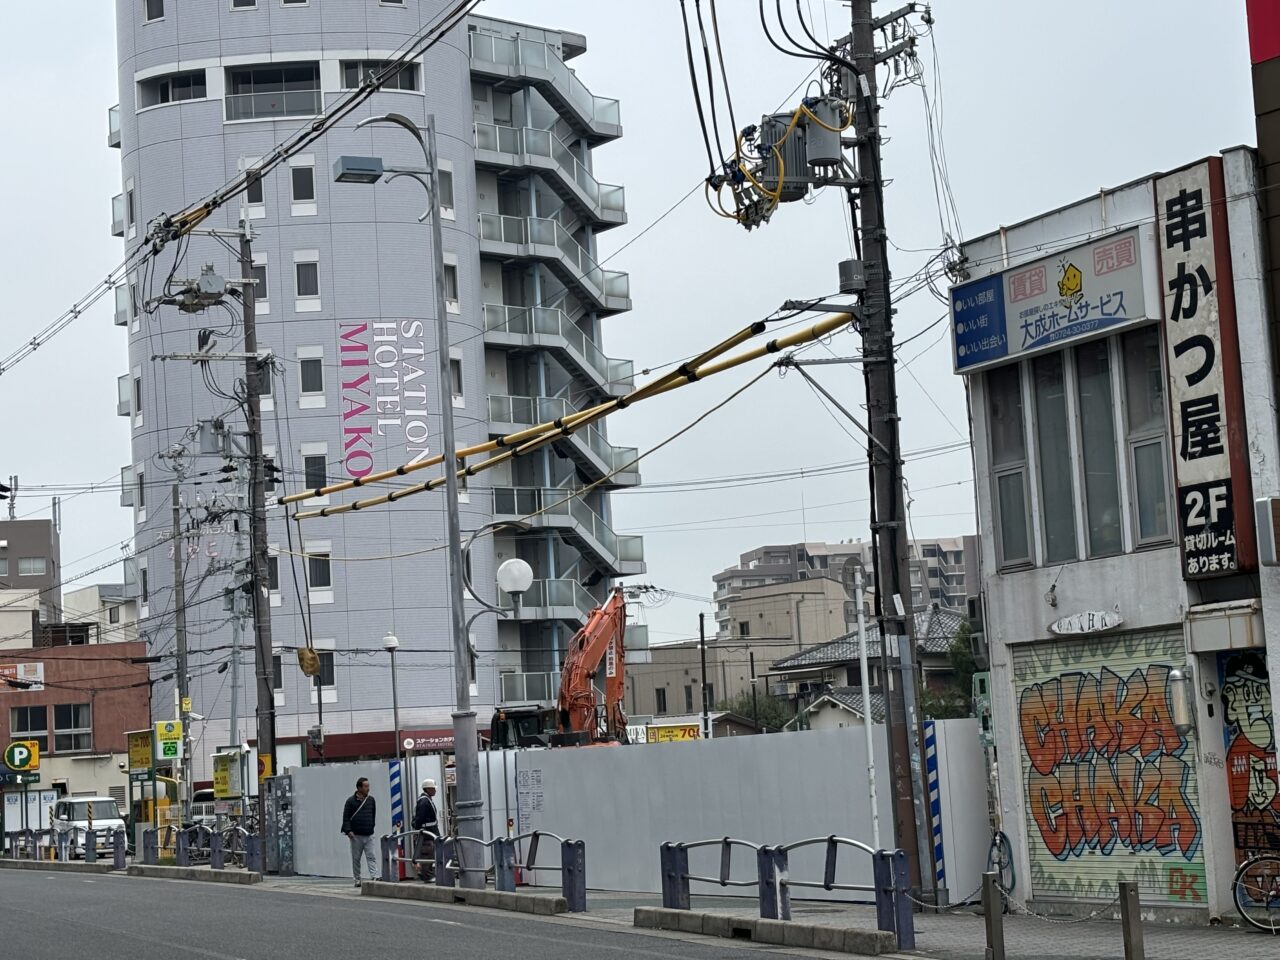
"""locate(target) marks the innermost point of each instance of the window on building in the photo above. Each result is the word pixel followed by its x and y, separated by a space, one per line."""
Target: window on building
pixel 304 186
pixel 113 614
pixel 130 209
pixel 446 192
pixel 711 695
pixel 659 700
pixel 4 566
pixel 243 4
pixel 273 574
pixel 277 673
pixel 744 628
pixel 455 377
pixel 1009 463
pixel 31 566
pixel 72 728
pixel 295 3
pixel 253 195
pixel 356 72
pixel 144 593
pixel 1145 409
pixel 1098 446
pixel 326 677
pixel 311 373
pixel 307 275
pixel 319 574
pixel 1057 491
pixel 153 9
pixel 316 470
pixel 30 723
pixel 688 698
pixel 140 494
pixel 451 284
pixel 275 90
pixel 261 295
pixel 172 88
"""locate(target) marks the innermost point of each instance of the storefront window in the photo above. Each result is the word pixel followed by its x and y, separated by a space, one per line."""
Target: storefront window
pixel 1057 491
pixel 1009 463
pixel 1098 446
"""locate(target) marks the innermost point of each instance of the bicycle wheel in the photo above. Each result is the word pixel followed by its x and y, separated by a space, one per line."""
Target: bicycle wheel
pixel 1256 892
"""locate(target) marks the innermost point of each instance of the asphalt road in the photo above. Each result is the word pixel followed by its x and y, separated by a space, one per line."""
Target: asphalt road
pixel 69 917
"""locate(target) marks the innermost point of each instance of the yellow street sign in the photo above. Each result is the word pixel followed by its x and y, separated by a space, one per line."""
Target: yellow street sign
pixel 186 704
pixel 265 767
pixel 140 755
pixel 23 756
pixel 674 733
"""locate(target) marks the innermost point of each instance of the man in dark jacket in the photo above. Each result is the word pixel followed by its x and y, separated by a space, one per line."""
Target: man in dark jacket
pixel 427 822
pixel 359 821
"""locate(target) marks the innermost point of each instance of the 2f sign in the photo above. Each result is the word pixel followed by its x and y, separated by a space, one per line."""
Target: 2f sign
pixel 1205 505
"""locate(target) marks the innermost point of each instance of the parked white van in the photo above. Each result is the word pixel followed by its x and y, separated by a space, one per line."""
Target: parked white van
pixel 71 817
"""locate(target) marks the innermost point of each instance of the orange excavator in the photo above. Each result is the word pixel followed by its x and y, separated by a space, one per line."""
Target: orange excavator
pixel 578 719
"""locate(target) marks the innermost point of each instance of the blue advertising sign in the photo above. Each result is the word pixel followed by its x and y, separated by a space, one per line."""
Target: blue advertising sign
pixel 1040 305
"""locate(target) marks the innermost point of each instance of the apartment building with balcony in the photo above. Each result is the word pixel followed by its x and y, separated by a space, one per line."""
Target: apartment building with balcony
pixel 343 273
pixel 943 571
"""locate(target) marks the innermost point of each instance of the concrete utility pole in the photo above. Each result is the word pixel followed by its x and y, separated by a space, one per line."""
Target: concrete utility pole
pixel 888 515
pixel 266 709
pixel 702 650
pixel 180 611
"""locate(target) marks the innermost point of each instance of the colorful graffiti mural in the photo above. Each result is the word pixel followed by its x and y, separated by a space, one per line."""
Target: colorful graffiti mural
pixel 1110 785
pixel 1249 732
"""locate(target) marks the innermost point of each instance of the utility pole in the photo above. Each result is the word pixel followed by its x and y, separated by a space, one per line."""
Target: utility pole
pixel 702 648
pixel 266 708
pixel 233 738
pixel 888 515
pixel 180 610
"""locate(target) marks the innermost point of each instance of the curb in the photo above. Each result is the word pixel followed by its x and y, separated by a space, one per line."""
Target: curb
pixel 205 874
pixel 57 866
pixel 789 933
pixel 544 905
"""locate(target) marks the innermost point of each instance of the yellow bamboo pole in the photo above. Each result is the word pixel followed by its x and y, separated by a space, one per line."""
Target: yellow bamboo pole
pixel 518 444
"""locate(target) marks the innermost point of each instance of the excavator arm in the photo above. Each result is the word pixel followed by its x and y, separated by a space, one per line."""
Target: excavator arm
pixel 597 644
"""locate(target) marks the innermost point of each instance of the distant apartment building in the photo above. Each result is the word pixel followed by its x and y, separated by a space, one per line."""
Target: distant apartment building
pixel 31 565
pixel 110 608
pixel 943 571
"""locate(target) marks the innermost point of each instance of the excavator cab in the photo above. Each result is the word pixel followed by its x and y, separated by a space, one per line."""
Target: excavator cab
pixel 522 726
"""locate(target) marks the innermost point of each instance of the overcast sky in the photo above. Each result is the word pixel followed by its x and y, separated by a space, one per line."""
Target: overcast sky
pixel 1043 104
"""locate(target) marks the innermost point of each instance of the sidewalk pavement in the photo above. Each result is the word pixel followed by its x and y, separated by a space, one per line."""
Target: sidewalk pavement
pixel 957 935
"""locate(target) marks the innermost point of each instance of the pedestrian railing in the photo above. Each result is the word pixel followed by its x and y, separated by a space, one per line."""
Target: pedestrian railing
pixel 197 844
pixel 773 879
pixel 501 855
pixel 63 844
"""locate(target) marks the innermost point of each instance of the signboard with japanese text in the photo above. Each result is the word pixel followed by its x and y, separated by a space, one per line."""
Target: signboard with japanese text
pixel 1203 359
pixel 28 677
pixel 674 733
pixel 427 741
pixel 226 776
pixel 1082 292
pixel 168 741
pixel 140 751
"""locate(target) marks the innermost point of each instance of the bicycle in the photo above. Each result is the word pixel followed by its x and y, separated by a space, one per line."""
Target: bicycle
pixel 1256 892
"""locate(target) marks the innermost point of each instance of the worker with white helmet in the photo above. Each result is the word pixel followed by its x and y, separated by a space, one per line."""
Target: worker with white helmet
pixel 427 822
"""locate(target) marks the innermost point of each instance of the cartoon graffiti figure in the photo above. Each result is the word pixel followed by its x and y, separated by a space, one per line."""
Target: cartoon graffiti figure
pixel 1251 749
pixel 1071 286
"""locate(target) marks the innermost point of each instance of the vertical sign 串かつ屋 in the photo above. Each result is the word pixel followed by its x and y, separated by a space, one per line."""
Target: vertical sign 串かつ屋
pixel 1206 404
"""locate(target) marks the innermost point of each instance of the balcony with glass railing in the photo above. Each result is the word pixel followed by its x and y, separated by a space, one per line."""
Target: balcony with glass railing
pixel 557 509
pixel 273 105
pixel 117 215
pixel 539 238
pixel 529 148
pixel 551 328
pixel 505 59
pixel 552 600
pixel 587 445
pixel 113 126
pixel 529 687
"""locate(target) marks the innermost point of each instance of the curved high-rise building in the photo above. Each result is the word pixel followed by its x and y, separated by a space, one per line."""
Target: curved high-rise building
pixel 345 307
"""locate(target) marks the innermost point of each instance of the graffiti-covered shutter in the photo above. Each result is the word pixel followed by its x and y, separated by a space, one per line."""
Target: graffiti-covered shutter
pixel 1109 786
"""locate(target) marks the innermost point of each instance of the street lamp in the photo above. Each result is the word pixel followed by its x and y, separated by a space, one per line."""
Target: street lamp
pixel 466 741
pixel 391 643
pixel 514 577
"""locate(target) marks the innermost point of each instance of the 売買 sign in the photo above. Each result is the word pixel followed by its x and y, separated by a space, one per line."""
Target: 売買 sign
pixel 1038 306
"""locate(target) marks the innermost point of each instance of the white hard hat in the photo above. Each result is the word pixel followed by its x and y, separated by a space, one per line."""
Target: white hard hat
pixel 428 784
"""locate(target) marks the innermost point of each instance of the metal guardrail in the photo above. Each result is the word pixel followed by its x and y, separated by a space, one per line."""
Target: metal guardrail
pixel 62 844
pixel 894 910
pixel 503 860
